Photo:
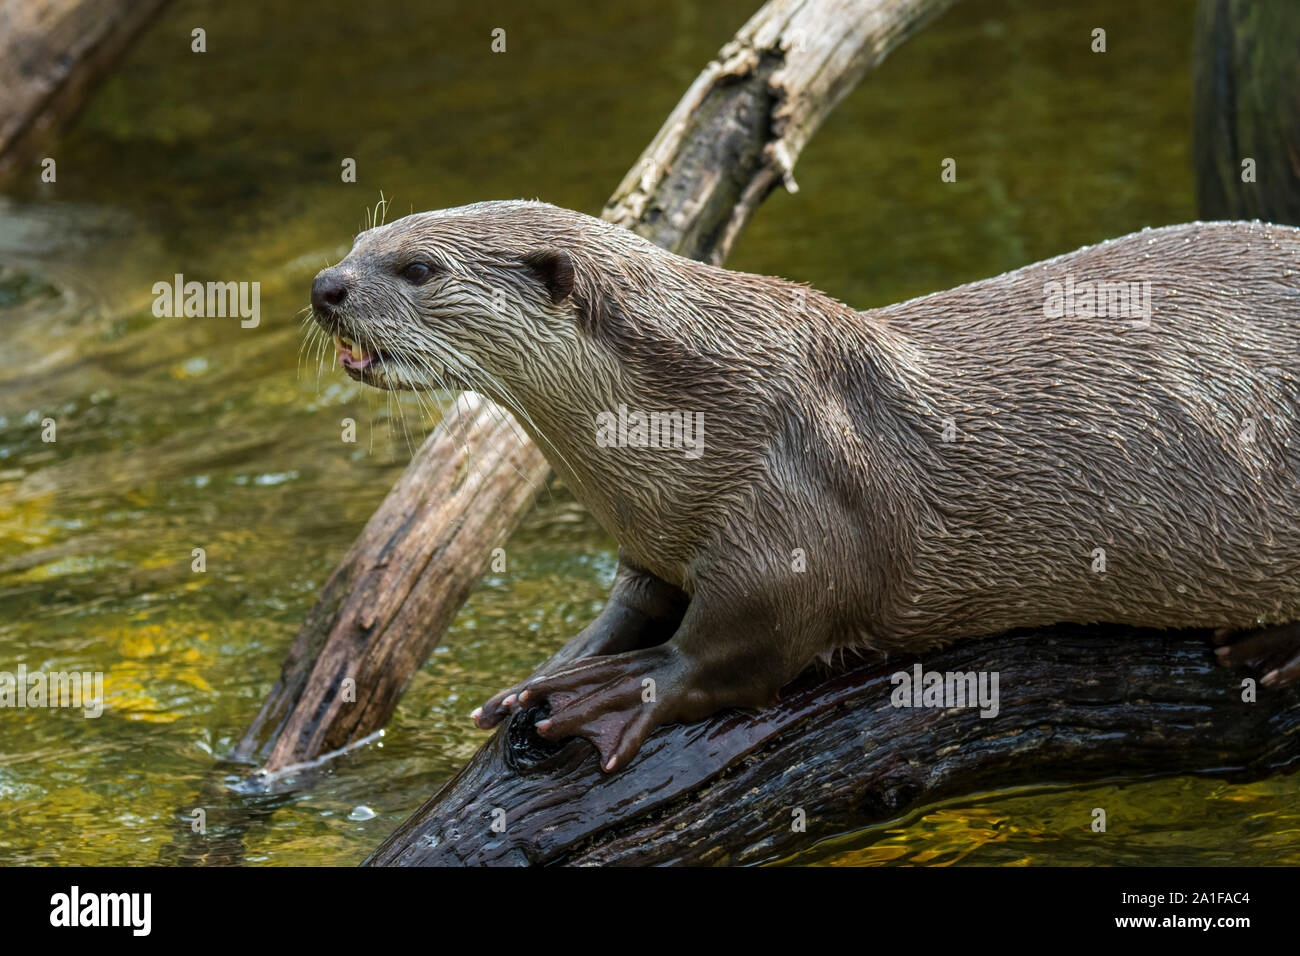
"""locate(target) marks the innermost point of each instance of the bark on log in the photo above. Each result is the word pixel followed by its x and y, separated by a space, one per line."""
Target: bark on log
pixel 1076 704
pixel 53 53
pixel 1247 106
pixel 735 135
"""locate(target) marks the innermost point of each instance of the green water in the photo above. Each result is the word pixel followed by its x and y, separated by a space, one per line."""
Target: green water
pixel 175 434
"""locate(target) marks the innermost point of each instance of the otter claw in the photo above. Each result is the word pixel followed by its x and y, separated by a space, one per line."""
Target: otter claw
pixel 494 711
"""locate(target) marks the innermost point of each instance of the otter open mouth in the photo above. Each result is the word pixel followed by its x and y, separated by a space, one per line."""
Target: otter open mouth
pixel 354 357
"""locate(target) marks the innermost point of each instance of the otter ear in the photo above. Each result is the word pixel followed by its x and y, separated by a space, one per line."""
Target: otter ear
pixel 555 270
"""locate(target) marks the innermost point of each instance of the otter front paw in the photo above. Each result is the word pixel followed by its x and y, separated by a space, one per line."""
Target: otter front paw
pixel 615 701
pixel 1275 651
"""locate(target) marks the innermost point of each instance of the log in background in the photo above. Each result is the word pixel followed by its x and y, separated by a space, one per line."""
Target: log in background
pixel 53 56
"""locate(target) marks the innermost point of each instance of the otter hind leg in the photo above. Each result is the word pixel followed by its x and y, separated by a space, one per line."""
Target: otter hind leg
pixel 1274 651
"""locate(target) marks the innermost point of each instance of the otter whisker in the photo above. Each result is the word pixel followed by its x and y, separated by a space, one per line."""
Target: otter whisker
pixel 428 372
pixel 308 339
pixel 322 354
pixel 392 417
pixel 310 346
pixel 460 429
pixel 493 407
pixel 515 407
pixel 366 341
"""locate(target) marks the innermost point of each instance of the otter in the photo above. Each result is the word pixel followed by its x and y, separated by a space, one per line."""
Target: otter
pixel 1106 436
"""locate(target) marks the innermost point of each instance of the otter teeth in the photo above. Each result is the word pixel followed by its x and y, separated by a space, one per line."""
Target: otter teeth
pixel 345 344
pixel 351 354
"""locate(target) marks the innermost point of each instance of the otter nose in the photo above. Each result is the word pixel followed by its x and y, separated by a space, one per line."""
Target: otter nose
pixel 328 291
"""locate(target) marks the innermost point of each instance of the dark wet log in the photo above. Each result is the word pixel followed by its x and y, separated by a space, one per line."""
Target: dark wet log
pixel 1247 106
pixel 735 135
pixel 53 54
pixel 1076 704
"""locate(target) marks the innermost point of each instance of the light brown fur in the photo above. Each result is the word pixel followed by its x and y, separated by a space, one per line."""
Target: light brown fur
pixel 825 435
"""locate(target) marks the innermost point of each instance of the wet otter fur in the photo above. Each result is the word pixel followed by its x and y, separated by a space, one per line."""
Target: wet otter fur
pixel 989 457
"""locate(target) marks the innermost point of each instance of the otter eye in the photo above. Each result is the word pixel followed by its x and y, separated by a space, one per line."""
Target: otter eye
pixel 418 273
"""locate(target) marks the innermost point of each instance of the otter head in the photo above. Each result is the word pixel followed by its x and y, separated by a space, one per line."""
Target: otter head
pixel 480 297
